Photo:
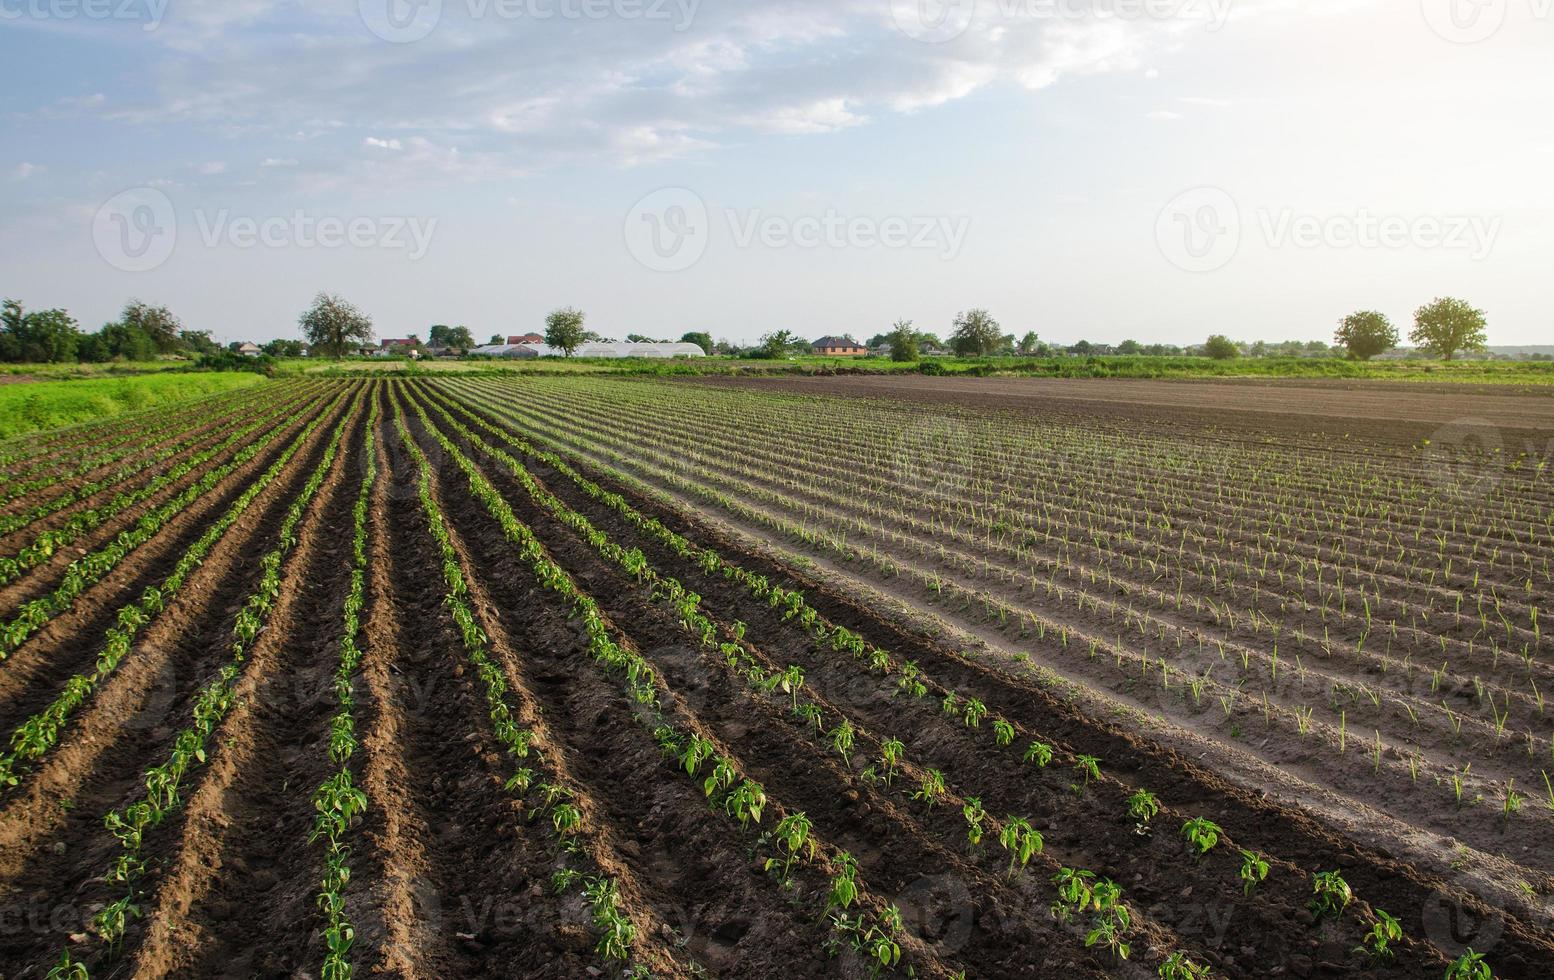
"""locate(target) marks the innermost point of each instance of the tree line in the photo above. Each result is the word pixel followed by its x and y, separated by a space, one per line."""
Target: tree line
pixel 1443 328
pixel 141 333
pixel 333 327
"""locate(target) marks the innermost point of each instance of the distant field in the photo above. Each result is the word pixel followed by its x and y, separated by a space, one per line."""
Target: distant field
pixel 35 406
pixel 1472 372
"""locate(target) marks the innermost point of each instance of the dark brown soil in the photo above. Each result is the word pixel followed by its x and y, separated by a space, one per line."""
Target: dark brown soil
pixel 452 872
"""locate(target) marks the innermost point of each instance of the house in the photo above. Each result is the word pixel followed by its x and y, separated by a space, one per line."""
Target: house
pixel 248 350
pixel 838 347
pixel 399 348
pixel 528 338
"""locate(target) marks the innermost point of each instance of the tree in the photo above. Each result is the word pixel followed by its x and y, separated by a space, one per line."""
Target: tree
pixel 118 342
pixel 11 321
pixel 700 339
pixel 332 326
pixel 778 344
pixel 496 340
pixel 564 329
pixel 40 337
pixel 442 335
pixel 1083 348
pixel 1448 326
pixel 903 342
pixel 976 334
pixel 1130 348
pixel 283 347
pixel 1366 334
pixel 156 322
pixel 1221 348
pixel 1030 343
pixel 198 342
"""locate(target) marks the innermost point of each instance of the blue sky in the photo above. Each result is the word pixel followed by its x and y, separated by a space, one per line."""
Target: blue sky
pixel 1154 169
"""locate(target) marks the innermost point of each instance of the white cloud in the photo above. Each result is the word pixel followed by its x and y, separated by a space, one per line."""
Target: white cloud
pixel 211 168
pixel 24 170
pixel 270 162
pixel 822 116
pixel 1165 115
pixel 523 95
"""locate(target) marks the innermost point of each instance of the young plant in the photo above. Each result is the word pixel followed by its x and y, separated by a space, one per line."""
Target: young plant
pixel 1039 753
pixel 1142 807
pixel 793 836
pixel 1075 892
pixel 891 753
pixel 1178 966
pixel 1021 841
pixel 841 740
pixel 746 802
pixel 1202 834
pixel 931 788
pixel 974 814
pixel 1254 870
pixel 1377 944
pixel 1469 966
pixel 973 712
pixel 844 884
pixel 1330 895
pixel 1088 767
pixel 1003 732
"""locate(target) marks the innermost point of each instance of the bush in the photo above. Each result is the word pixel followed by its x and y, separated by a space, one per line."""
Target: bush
pixel 228 361
pixel 1221 348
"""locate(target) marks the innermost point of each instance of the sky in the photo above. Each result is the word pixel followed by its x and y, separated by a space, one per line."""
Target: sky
pixel 1101 169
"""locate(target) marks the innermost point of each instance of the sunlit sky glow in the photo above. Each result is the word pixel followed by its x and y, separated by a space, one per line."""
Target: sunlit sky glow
pixel 1154 169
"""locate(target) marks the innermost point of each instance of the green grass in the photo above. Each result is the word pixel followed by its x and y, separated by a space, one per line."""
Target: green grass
pixel 71 369
pixel 34 406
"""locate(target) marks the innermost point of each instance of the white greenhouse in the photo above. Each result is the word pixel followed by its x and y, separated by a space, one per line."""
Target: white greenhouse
pixel 591 350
